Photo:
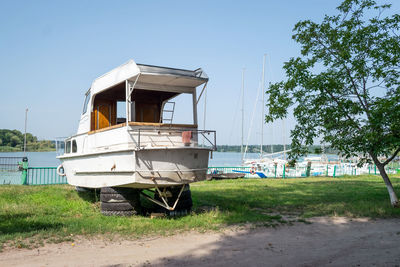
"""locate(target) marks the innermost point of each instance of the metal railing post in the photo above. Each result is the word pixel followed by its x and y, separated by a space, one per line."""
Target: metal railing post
pixel 24 174
pixel 215 140
pixel 139 140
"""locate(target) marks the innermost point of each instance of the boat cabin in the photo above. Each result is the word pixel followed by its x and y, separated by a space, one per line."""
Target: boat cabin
pixel 137 94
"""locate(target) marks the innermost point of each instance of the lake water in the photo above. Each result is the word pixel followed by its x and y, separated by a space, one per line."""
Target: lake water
pixel 36 159
pixel 219 159
pixel 48 159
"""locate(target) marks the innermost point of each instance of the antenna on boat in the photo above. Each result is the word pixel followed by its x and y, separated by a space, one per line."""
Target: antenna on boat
pixel 262 106
pixel 241 147
pixel 271 75
pixel 26 119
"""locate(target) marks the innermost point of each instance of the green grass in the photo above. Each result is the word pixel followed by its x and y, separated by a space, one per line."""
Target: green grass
pixel 33 215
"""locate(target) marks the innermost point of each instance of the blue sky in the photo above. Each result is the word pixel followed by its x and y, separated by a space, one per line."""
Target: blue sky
pixel 51 51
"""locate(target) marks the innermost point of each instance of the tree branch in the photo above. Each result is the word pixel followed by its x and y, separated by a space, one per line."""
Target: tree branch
pixel 376 86
pixel 339 105
pixel 392 157
pixel 348 73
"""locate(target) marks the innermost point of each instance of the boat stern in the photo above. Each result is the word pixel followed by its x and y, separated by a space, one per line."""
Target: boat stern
pixel 171 165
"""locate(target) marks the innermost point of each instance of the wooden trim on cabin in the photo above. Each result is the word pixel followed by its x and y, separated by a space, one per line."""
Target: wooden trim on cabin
pixel 108 128
pixel 134 123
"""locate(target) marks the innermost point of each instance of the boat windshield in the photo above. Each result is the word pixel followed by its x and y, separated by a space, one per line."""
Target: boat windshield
pixel 85 104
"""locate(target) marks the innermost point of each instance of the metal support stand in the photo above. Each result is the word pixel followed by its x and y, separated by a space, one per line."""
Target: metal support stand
pixel 164 197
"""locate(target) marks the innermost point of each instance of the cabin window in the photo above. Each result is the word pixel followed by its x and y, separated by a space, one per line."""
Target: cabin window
pixel 182 110
pixel 85 105
pixel 74 146
pixel 121 112
pixel 68 147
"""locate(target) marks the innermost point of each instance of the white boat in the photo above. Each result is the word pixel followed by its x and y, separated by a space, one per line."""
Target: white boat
pixel 145 149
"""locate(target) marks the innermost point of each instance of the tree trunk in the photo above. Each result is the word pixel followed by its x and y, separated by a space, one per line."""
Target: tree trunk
pixel 392 194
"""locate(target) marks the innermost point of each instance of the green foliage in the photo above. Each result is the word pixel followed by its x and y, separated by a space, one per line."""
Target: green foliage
pixel 346 85
pixel 36 215
pixel 13 140
pixel 317 150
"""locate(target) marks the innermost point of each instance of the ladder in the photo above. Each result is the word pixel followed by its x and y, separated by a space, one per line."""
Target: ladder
pixel 167 113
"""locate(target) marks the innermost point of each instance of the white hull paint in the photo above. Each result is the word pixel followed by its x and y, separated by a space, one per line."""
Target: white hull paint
pixel 138 169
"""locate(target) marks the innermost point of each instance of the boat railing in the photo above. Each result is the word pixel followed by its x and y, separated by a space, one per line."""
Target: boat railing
pixel 158 138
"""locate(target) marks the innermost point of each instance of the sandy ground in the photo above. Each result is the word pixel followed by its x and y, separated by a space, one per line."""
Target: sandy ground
pixel 326 242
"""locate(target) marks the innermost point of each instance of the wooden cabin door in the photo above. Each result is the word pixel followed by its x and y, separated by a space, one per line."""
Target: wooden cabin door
pixel 147 112
pixel 104 114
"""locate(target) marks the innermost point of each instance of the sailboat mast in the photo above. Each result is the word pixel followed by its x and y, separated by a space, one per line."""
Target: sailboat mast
pixel 241 147
pixel 262 106
pixel 26 120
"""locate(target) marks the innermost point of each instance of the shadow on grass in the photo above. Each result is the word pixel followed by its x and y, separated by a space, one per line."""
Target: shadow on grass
pixel 91 196
pixel 21 223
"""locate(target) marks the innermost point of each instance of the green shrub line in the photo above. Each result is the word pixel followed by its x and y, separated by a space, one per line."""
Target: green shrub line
pixel 33 215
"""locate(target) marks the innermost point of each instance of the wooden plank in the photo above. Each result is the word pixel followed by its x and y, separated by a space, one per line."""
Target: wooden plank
pixel 108 128
pixel 134 123
pixel 131 123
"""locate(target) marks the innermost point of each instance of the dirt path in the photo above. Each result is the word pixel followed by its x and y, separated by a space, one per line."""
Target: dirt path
pixel 327 241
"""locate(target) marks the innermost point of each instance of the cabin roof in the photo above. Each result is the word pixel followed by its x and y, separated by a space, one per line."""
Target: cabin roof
pixel 151 78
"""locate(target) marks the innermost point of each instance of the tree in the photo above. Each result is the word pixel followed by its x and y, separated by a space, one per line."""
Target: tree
pixel 15 140
pixel 317 150
pixel 345 86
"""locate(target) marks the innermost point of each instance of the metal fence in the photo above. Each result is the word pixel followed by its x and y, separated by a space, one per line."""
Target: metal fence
pixel 15 170
pixel 44 176
pixel 10 170
pixel 282 171
pixel 9 163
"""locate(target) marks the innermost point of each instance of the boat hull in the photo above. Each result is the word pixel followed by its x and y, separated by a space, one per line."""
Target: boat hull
pixel 144 168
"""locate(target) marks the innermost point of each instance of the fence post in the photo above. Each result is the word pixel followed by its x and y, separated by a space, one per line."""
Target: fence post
pixel 24 174
pixel 334 171
pixel 308 169
pixel 284 170
pixel 275 170
pixel 326 170
pixel 375 169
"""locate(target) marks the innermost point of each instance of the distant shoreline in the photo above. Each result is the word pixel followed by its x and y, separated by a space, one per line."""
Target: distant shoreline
pixel 13 149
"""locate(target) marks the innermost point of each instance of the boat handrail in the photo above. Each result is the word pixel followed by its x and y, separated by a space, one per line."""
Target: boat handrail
pixel 194 136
